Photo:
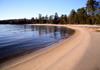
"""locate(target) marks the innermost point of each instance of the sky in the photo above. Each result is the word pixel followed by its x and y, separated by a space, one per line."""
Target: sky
pixel 19 9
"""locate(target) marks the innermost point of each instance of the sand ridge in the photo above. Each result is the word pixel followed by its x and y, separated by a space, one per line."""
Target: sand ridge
pixel 81 51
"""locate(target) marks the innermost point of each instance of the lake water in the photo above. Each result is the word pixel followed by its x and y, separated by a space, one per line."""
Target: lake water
pixel 17 40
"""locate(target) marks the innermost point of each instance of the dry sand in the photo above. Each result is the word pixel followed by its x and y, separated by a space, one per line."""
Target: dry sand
pixel 81 51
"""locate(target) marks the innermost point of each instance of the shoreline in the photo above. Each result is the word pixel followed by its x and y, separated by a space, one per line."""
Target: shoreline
pixel 32 51
pixel 73 53
pixel 37 51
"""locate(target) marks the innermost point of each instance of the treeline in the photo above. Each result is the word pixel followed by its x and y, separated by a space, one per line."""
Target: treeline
pixel 16 21
pixel 53 19
pixel 86 15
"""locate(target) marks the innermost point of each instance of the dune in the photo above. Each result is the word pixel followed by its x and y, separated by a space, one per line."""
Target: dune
pixel 81 51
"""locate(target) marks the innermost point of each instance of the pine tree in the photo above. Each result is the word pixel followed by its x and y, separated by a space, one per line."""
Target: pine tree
pixel 65 19
pixel 81 15
pixel 89 21
pixel 32 20
pixel 51 19
pixel 62 19
pixel 46 18
pixel 91 7
pixel 72 17
pixel 36 21
pixel 98 18
pixel 76 19
pixel 56 21
pixel 40 18
pixel 42 21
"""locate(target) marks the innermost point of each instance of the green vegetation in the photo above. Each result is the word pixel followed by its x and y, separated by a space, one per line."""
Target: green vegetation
pixel 85 15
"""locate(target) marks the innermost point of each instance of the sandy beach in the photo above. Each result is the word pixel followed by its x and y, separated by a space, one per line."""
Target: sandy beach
pixel 81 51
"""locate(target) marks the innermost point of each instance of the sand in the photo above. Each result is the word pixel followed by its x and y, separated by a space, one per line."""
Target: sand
pixel 81 51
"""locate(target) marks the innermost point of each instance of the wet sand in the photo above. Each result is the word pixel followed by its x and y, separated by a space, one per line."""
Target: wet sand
pixel 81 51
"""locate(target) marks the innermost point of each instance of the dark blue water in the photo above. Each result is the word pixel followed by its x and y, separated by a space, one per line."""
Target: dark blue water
pixel 17 40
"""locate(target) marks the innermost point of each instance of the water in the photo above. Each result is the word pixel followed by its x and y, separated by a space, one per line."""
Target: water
pixel 17 40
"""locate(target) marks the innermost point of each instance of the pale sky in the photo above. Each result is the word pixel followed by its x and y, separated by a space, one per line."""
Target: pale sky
pixel 16 9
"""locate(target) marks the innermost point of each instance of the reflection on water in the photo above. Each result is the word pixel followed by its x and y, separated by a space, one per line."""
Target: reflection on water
pixel 16 40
